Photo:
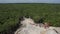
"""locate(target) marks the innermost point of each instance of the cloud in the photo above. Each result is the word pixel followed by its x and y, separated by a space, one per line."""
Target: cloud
pixel 29 1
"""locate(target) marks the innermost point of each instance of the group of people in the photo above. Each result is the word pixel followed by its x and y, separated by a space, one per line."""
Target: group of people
pixel 30 27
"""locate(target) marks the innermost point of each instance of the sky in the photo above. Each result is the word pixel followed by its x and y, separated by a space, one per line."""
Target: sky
pixel 29 1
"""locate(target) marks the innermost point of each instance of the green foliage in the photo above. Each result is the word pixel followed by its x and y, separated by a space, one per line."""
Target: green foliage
pixel 10 13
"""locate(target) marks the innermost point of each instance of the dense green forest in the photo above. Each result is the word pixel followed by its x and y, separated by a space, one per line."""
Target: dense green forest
pixel 10 13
